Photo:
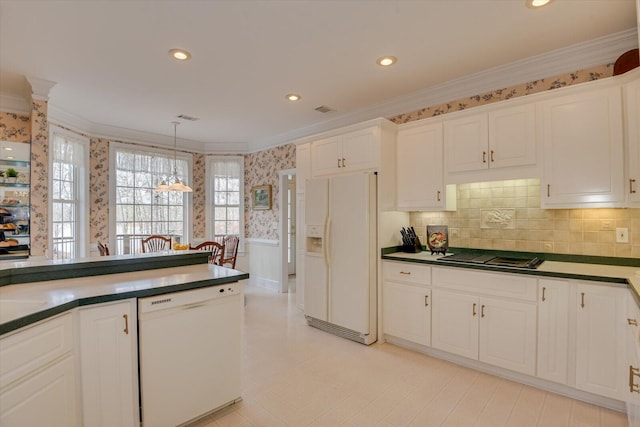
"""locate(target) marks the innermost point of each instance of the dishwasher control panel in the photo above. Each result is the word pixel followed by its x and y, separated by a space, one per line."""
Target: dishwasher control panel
pixel 192 296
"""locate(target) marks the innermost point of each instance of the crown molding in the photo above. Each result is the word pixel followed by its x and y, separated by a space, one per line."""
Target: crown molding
pixel 602 50
pixel 40 88
pixel 14 104
pixel 96 130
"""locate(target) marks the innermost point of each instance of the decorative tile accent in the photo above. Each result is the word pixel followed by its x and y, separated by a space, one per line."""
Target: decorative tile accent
pixel 39 178
pixel 568 79
pixel 497 218
pixel 15 127
pixel 262 168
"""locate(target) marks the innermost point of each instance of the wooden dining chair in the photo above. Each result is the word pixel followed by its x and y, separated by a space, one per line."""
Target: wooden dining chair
pixel 230 250
pixel 103 249
pixel 155 243
pixel 216 249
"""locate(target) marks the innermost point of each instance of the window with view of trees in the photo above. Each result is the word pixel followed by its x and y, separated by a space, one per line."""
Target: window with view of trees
pixel 139 210
pixel 69 183
pixel 226 196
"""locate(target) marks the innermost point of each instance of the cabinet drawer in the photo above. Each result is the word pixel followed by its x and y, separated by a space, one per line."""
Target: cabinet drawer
pixel 495 284
pixel 29 349
pixel 406 272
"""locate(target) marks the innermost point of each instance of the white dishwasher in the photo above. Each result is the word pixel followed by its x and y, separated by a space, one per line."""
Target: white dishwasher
pixel 189 346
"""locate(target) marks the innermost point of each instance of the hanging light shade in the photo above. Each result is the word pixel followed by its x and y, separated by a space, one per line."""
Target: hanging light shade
pixel 174 182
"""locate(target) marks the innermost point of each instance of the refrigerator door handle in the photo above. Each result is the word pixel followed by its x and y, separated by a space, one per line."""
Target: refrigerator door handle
pixel 325 241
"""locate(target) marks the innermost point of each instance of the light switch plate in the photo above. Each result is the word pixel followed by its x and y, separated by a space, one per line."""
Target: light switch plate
pixel 622 235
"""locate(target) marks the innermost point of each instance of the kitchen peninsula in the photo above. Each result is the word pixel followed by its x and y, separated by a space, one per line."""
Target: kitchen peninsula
pixel 70 339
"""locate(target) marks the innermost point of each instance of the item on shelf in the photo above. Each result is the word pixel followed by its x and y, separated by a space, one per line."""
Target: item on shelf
pixel 10 202
pixel 410 240
pixel 4 212
pixel 438 238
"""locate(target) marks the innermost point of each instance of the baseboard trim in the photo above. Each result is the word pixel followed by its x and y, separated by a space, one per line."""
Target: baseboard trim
pixel 261 282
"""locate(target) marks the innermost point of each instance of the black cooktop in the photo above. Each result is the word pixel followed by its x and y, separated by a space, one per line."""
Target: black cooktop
pixel 492 260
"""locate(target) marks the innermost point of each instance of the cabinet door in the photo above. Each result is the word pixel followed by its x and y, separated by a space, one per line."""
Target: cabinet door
pixel 360 150
pixel 303 166
pixel 326 156
pixel 407 312
pixel 109 364
pixel 512 139
pixel 600 349
pixel 632 391
pixel 508 334
pixel 583 146
pixel 632 103
pixel 47 398
pixel 455 323
pixel 420 168
pixel 466 141
pixel 553 329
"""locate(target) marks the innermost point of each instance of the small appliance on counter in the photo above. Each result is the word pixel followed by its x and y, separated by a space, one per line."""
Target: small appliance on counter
pixel 410 240
pixel 438 239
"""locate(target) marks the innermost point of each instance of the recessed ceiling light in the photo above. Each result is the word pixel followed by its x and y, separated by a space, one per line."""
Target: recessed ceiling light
pixel 385 61
pixel 8 148
pixel 179 54
pixel 293 97
pixel 10 157
pixel 534 4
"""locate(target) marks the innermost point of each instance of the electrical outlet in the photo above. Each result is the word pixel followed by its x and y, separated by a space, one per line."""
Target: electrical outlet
pixel 547 247
pixel 453 232
pixel 622 235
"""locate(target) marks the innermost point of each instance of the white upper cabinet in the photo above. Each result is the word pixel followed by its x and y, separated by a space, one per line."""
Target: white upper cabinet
pixel 420 168
pixel 632 120
pixel 350 152
pixel 583 148
pixel 500 140
pixel 466 140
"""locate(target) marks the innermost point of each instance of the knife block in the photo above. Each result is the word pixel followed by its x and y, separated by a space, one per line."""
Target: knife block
pixel 413 249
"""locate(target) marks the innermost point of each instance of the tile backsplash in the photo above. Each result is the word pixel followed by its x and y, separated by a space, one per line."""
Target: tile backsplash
pixel 506 215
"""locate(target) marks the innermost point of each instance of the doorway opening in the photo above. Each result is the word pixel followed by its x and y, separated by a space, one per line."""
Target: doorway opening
pixel 287 196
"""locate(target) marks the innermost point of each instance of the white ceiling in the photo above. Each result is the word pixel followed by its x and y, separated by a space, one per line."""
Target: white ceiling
pixel 110 63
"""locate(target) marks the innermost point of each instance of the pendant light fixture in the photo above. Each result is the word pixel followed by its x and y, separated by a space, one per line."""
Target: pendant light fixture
pixel 174 182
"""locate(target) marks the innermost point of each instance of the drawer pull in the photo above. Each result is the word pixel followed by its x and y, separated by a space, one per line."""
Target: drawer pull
pixel 426 300
pixel 126 323
pixel 482 311
pixel 405 272
pixel 633 372
pixel 543 298
pixel 582 299
pixel 474 309
pixel 632 322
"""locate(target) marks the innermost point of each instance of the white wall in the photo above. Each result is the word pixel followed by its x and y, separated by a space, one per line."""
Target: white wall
pixel 262 257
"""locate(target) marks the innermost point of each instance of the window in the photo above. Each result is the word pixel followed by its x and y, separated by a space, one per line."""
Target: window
pixel 225 198
pixel 139 210
pixel 69 185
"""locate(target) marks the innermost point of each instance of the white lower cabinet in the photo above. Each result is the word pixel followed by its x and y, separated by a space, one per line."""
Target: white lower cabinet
pixel 498 332
pixel 407 312
pixel 109 364
pixel 600 333
pixel 37 375
pixel 553 329
pixel 632 367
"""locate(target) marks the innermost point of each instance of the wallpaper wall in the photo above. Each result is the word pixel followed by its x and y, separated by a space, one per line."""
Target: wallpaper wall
pixel 39 179
pixel 262 168
pixel 98 190
pixel 506 215
pixel 15 127
pixel 580 76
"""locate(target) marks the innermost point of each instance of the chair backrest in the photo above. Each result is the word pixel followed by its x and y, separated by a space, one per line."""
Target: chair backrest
pixel 216 249
pixel 230 250
pixel 155 243
pixel 103 249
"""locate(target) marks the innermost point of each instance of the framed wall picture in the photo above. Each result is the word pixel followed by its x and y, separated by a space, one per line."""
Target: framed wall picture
pixel 261 197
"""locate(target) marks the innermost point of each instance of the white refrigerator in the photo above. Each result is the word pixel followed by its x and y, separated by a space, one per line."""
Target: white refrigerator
pixel 340 258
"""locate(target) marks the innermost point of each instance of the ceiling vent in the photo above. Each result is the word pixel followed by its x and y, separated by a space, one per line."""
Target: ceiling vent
pixel 323 109
pixel 189 118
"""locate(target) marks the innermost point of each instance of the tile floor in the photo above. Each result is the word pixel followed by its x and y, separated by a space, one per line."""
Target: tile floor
pixel 295 375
